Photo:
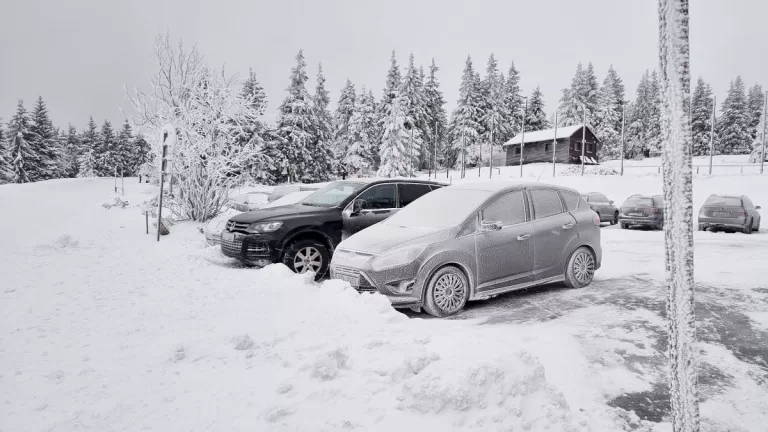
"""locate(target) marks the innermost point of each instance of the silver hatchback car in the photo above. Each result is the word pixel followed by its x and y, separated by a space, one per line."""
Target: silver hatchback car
pixel 471 242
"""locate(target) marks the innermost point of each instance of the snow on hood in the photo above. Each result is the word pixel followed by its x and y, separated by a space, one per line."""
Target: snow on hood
pixel 380 238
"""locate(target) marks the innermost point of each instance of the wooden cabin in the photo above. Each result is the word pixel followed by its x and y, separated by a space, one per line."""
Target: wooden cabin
pixel 540 145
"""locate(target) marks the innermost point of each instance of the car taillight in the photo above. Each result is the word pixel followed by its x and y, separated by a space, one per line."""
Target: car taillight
pixel 653 210
pixel 596 219
pixel 742 213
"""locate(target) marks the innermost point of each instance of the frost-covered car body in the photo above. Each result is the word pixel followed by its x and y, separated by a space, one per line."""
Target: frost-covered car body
pixel 284 190
pixel 494 237
pixel 729 212
pixel 603 206
pixel 215 226
pixel 642 210
pixel 303 235
pixel 249 201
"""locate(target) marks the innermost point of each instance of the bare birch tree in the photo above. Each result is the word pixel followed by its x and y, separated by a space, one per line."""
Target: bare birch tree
pixel 210 115
pixel 674 57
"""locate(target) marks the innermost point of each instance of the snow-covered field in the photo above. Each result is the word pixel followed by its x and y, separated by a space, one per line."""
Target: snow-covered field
pixel 102 328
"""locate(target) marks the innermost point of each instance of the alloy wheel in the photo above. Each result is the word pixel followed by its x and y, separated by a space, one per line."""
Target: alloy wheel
pixel 307 259
pixel 449 293
pixel 583 267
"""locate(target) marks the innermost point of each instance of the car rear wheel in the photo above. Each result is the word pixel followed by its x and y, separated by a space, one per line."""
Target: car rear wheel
pixel 748 229
pixel 580 268
pixel 615 218
pixel 447 292
pixel 303 256
pixel 624 225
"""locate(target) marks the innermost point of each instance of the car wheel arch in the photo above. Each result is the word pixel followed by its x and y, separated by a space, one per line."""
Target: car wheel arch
pixel 307 234
pixel 571 251
pixel 462 268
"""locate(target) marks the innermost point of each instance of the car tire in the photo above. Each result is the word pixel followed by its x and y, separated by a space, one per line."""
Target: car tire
pixel 615 219
pixel 302 255
pixel 580 268
pixel 442 299
pixel 624 225
pixel 748 228
pixel 702 228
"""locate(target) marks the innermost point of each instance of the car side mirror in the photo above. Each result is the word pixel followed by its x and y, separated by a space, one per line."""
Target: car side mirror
pixel 357 207
pixel 757 207
pixel 487 226
pixel 610 202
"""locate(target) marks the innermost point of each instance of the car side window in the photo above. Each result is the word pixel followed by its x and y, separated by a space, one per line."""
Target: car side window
pixel 409 192
pixel 509 209
pixel 748 203
pixel 602 198
pixel 379 197
pixel 571 200
pixel 546 203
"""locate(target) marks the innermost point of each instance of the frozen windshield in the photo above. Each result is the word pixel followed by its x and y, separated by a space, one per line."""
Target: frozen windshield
pixel 639 202
pixel 723 201
pixel 333 194
pixel 442 208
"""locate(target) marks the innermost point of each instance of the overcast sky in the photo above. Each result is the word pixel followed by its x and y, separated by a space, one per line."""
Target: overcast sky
pixel 78 54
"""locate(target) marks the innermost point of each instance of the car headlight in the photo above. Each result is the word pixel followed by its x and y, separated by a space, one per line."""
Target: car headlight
pixel 397 257
pixel 264 227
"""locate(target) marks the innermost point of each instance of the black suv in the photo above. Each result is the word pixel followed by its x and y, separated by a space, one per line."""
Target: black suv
pixel 303 235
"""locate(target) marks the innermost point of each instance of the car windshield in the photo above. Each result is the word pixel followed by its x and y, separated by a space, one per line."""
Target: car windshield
pixel 723 201
pixel 442 208
pixel 639 202
pixel 333 194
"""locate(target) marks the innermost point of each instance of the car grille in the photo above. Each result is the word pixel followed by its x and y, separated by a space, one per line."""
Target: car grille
pixel 365 285
pixel 232 248
pixel 256 250
pixel 240 227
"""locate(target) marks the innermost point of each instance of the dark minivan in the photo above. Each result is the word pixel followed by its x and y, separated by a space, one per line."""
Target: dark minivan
pixel 727 212
pixel 303 235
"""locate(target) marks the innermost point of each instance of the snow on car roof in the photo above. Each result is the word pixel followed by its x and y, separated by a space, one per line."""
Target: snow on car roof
pixel 500 185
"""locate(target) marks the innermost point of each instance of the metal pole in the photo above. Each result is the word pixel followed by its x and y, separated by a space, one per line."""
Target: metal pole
pixel 115 179
pixel 762 153
pixel 712 134
pixel 410 153
pixel 434 153
pixel 146 219
pixel 490 162
pixel 122 182
pixel 623 110
pixel 522 137
pixel 463 153
pixel 554 148
pixel 583 140
pixel 479 159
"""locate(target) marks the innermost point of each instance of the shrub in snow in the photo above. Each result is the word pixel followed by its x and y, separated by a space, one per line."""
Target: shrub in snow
pixel 575 170
pixel 210 117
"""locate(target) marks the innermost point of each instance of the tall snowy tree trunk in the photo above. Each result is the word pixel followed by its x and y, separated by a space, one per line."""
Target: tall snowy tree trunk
pixel 674 58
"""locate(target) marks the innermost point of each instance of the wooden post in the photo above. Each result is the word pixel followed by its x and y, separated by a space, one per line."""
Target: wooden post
pixel 122 182
pixel 522 137
pixel 115 179
pixel 583 140
pixel 490 161
pixel 762 154
pixel 434 160
pixel 712 134
pixel 463 154
pixel 146 217
pixel 623 109
pixel 554 148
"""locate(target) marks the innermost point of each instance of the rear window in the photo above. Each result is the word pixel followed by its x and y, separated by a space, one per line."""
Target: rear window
pixel 723 201
pixel 638 202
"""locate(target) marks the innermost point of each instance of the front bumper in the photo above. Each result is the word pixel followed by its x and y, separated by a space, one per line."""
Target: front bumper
pixel 403 285
pixel 252 249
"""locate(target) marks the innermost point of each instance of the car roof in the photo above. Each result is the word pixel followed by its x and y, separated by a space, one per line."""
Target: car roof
pixel 502 185
pixel 373 180
pixel 727 196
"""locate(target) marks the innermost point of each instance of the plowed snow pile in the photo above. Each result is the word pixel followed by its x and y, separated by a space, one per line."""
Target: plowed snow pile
pixel 104 328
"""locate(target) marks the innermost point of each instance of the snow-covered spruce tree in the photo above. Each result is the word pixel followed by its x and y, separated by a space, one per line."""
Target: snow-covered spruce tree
pixel 674 58
pixel 44 143
pixel 208 113
pixel 733 128
pixel 106 151
pixel 253 91
pixel 394 153
pixel 72 147
pixel 701 117
pixel 142 152
pixel 607 121
pixel 755 100
pixel 654 140
pixel 414 109
pixel 536 118
pixel 324 165
pixel 5 164
pixel 390 92
pixel 435 110
pixel 124 150
pixel 572 101
pixel 87 159
pixel 360 157
pixel 18 145
pixel 513 102
pixel 757 143
pixel 613 80
pixel 494 116
pixel 643 132
pixel 345 108
pixel 465 126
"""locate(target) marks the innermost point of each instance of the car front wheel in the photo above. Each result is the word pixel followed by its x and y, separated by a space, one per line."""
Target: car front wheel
pixel 615 218
pixel 303 256
pixel 580 268
pixel 447 292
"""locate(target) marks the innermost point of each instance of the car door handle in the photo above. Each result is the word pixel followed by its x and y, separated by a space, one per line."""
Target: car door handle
pixel 523 237
pixel 569 225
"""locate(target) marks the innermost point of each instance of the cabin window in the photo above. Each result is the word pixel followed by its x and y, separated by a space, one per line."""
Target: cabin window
pixel 590 147
pixel 517 151
pixel 546 147
pixel 577 145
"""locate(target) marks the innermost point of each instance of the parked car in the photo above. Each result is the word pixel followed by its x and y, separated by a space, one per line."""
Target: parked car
pixel 303 235
pixel 642 210
pixel 284 190
pixel 728 212
pixel 603 207
pixel 472 242
pixel 249 201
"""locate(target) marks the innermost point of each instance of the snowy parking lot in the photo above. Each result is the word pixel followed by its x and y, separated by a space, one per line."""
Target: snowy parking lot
pixel 103 328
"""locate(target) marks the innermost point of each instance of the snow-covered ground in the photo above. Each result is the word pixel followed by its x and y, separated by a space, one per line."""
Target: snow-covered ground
pixel 104 328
